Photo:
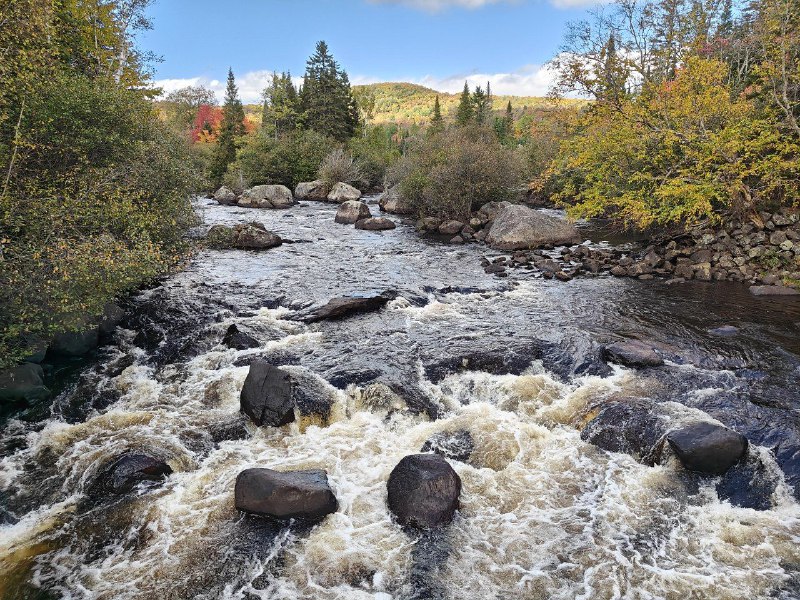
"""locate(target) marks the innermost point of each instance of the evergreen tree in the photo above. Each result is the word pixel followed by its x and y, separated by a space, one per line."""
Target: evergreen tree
pixel 504 126
pixel 231 128
pixel 326 100
pixel 437 122
pixel 481 105
pixel 464 110
pixel 280 106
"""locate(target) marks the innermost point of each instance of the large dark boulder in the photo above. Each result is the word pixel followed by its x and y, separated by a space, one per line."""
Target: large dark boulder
pixel 423 491
pixel 113 315
pixel 126 472
pixel 238 340
pixel 517 227
pixel 707 447
pixel 633 353
pixel 23 383
pixel 455 445
pixel 301 495
pixel 633 427
pixel 76 343
pixel 345 306
pixel 267 395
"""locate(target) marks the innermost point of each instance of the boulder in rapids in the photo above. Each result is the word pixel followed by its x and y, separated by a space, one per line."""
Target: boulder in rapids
pixel 707 447
pixel 126 472
pixel 391 202
pixel 375 224
pixel 342 192
pixel 455 445
pixel 113 314
pixel 23 383
pixel 423 491
pixel 301 495
pixel 238 340
pixel 773 290
pixel 633 353
pixel 450 227
pixel 254 236
pixel 517 227
pixel 311 190
pixel 225 195
pixel 267 196
pixel 267 395
pixel 351 211
pixel 633 427
pixel 345 306
pixel 76 343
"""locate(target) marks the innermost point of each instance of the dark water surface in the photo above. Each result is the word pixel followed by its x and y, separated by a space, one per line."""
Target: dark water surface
pixel 514 361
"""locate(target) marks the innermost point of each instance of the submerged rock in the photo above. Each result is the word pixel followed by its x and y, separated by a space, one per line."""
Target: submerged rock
pixel 267 395
pixel 267 196
pixel 302 495
pixel 342 192
pixel 707 447
pixel 633 353
pixel 23 383
pixel 351 211
pixel 344 306
pixel 423 491
pixel 239 340
pixel 127 471
pixel 518 227
pixel 773 290
pixel 455 445
pixel 311 190
pixel 375 224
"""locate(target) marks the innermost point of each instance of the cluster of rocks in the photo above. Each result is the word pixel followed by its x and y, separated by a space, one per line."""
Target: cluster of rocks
pixel 260 196
pixel 355 212
pixel 564 265
pixel 318 190
pixel 244 236
pixel 24 383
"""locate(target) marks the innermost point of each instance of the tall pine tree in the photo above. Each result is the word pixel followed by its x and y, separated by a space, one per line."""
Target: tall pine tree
pixel 231 128
pixel 437 122
pixel 464 110
pixel 280 106
pixel 326 99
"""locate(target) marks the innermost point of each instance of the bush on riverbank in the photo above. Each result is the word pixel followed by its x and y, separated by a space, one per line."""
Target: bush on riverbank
pixel 450 173
pixel 94 200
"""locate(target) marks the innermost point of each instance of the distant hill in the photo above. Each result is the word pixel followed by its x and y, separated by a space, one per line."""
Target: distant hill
pixel 409 103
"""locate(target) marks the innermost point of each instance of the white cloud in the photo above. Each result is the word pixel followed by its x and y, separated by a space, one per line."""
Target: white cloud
pixel 434 6
pixel 250 85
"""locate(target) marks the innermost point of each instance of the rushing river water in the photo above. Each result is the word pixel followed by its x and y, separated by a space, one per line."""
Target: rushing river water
pixel 543 513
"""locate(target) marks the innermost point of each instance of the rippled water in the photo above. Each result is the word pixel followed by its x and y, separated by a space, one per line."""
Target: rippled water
pixel 544 514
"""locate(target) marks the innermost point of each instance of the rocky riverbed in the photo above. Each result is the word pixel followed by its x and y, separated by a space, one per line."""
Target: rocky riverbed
pixel 603 437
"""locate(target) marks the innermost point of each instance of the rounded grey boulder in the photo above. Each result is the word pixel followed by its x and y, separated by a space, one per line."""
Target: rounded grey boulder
pixel 707 447
pixel 302 495
pixel 127 471
pixel 375 224
pixel 518 227
pixel 352 211
pixel 423 491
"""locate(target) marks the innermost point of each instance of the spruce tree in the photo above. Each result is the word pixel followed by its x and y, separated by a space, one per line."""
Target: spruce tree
pixel 437 122
pixel 326 100
pixel 509 119
pixel 231 128
pixel 464 110
pixel 480 105
pixel 280 106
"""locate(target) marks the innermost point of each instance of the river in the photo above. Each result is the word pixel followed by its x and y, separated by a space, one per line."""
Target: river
pixel 543 513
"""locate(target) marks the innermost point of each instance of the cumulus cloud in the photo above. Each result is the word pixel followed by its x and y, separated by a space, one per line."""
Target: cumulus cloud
pixel 251 85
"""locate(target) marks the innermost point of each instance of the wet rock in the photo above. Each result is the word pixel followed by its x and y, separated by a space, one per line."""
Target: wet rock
pixel 457 240
pixel 267 395
pixel 518 227
pixel 391 202
pixel 497 362
pixel 311 190
pixel 342 192
pixel 455 445
pixel 345 306
pixel 707 447
pixel 495 269
pixel 450 227
pixel 633 353
pixel 126 472
pixel 423 491
pixel 749 484
pixel 239 340
pixel 225 195
pixel 234 429
pixel 113 314
pixel 632 427
pixel 301 495
pixel 267 196
pixel 724 331
pixel 23 383
pixel 254 236
pixel 773 290
pixel 375 224
pixel 351 211
pixel 76 343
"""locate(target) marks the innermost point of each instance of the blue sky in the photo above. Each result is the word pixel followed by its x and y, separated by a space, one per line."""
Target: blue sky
pixel 438 43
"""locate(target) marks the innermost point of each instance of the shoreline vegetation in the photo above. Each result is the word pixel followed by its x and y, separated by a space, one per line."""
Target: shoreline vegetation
pixel 687 126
